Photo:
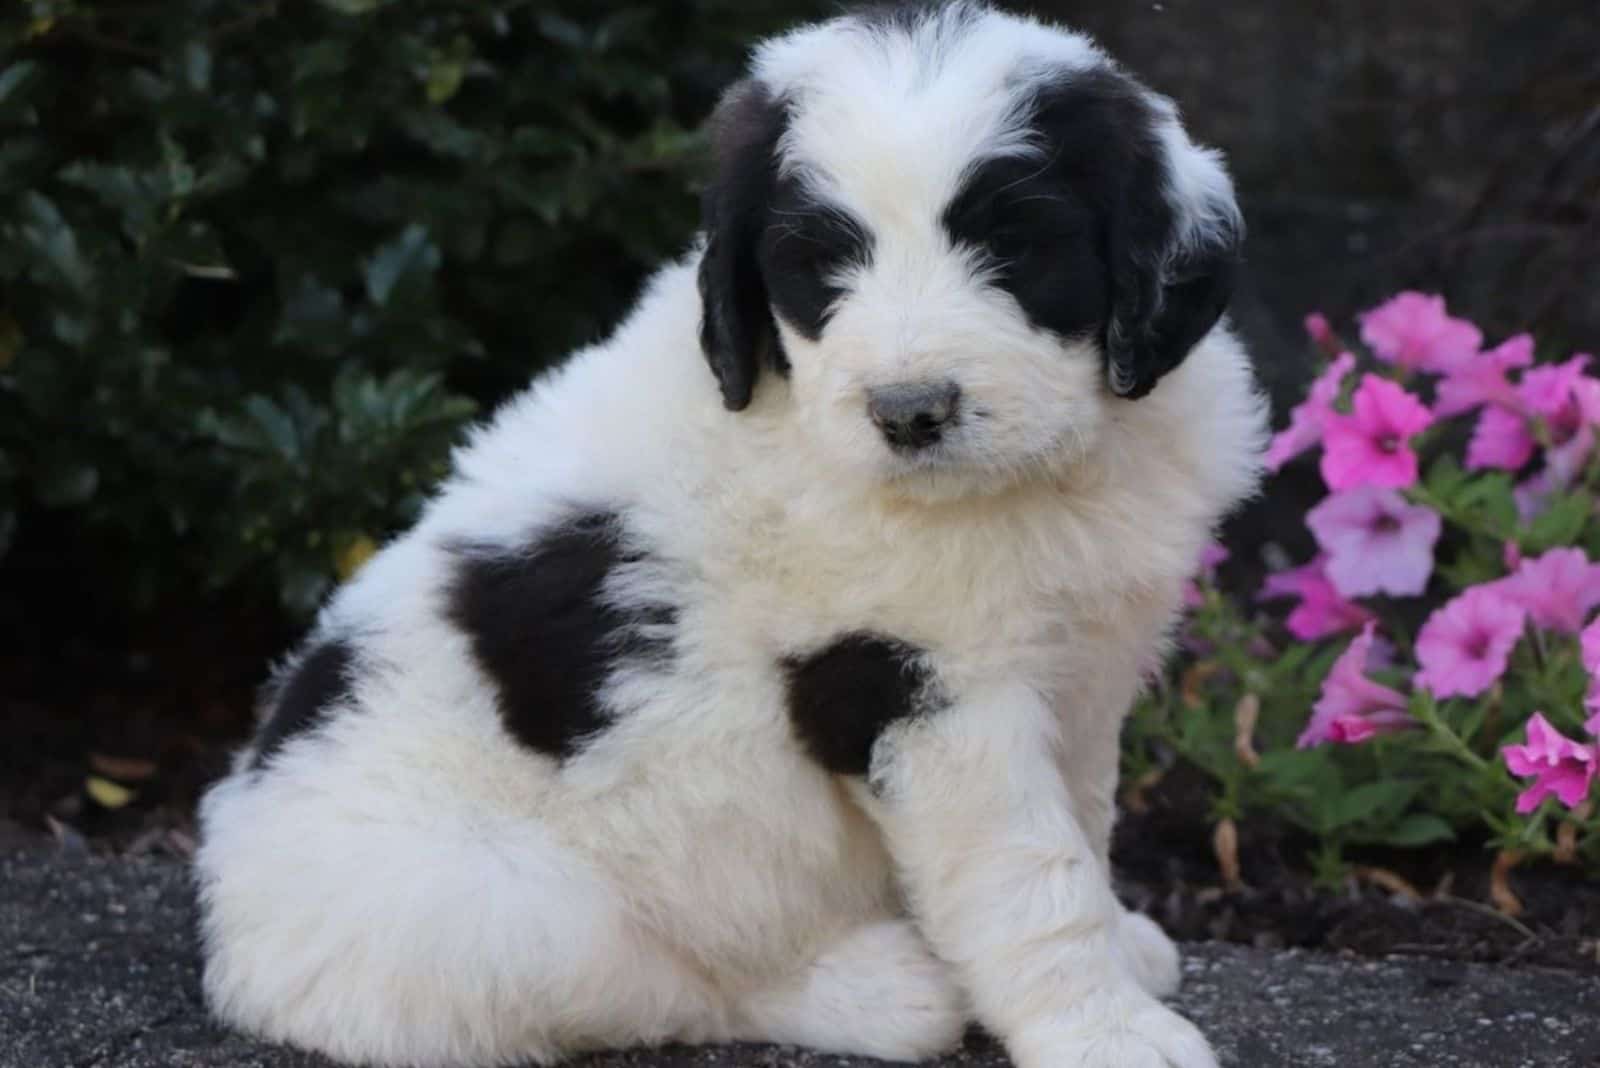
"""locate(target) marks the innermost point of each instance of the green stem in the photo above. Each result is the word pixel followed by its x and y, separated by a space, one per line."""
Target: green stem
pixel 1452 741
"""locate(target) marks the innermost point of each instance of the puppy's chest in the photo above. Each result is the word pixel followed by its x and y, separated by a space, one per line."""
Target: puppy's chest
pixel 862 632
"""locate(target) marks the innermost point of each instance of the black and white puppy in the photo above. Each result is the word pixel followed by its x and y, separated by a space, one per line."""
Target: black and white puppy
pixel 781 702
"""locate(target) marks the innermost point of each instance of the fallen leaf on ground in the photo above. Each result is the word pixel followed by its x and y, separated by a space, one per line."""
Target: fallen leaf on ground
pixel 106 793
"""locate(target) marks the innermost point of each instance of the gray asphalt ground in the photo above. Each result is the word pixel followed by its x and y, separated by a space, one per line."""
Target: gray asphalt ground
pixel 98 967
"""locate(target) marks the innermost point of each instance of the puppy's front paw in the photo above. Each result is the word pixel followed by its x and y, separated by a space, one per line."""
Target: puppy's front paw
pixel 1151 955
pixel 1103 1033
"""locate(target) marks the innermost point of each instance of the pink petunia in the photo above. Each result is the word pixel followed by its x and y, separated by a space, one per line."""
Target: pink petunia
pixel 1413 331
pixel 1557 590
pixel 1353 708
pixel 1500 439
pixel 1308 417
pixel 1465 645
pixel 1371 445
pixel 1321 611
pixel 1318 329
pixel 1376 542
pixel 1560 395
pixel 1559 765
pixel 1589 642
pixel 1551 391
pixel 1321 333
pixel 1573 440
pixel 1482 379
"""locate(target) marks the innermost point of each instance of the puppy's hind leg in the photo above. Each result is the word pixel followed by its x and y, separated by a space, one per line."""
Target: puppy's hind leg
pixel 384 932
pixel 878 992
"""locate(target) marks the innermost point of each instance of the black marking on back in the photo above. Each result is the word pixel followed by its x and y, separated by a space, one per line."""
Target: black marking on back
pixel 842 697
pixel 544 628
pixel 303 695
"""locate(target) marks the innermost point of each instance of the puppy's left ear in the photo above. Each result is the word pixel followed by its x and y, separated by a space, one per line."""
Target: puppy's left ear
pixel 737 331
pixel 1175 244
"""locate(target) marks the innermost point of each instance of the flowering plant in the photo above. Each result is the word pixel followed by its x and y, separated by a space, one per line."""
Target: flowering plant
pixel 1436 674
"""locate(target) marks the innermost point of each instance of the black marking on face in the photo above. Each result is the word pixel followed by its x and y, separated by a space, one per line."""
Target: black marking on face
pixel 1041 240
pixel 546 626
pixel 1084 235
pixel 303 695
pixel 842 697
pixel 804 246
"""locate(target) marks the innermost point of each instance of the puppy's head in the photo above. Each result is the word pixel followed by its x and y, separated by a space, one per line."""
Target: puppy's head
pixel 962 235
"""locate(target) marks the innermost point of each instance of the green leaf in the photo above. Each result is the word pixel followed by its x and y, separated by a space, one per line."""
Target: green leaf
pixel 197 65
pixel 50 235
pixel 1560 524
pixel 1445 479
pixel 1489 497
pixel 409 254
pixel 65 483
pixel 1418 829
pixel 14 75
pixel 447 70
pixel 561 30
pixel 277 428
pixel 354 7
pixel 1368 800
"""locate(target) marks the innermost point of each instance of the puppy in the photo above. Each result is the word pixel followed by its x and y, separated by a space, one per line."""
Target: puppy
pixel 757 675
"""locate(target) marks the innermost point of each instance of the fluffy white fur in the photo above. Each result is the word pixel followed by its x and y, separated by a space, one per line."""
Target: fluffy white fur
pixel 406 885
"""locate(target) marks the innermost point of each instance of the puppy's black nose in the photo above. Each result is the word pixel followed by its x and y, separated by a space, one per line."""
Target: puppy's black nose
pixel 913 416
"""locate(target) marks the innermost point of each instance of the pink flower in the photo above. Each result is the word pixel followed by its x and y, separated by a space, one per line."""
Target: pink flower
pixel 1211 556
pixel 1465 645
pixel 1501 440
pixel 1567 455
pixel 1561 395
pixel 1412 330
pixel 1369 447
pixel 1482 379
pixel 1590 645
pixel 1308 417
pixel 1321 611
pixel 1557 590
pixel 1558 764
pixel 1321 333
pixel 1353 708
pixel 1375 541
pixel 1551 391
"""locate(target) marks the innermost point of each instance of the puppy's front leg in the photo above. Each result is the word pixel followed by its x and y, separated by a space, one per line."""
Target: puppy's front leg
pixel 1007 887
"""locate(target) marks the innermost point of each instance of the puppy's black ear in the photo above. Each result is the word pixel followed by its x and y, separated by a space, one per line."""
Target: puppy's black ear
pixel 1174 243
pixel 737 331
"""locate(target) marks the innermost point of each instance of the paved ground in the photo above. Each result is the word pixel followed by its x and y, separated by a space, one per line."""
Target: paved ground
pixel 97 968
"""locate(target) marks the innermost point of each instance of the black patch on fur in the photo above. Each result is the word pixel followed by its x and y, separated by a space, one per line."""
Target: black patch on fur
pixel 842 697
pixel 1084 238
pixel 1043 240
pixel 303 695
pixel 804 244
pixel 544 629
pixel 737 332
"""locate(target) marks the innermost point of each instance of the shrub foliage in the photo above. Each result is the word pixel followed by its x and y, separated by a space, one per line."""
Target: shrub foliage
pixel 260 261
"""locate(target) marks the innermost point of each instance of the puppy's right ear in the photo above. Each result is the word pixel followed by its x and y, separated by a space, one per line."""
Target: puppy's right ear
pixel 737 331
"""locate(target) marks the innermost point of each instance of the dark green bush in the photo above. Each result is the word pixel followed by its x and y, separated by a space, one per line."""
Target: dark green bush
pixel 259 261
